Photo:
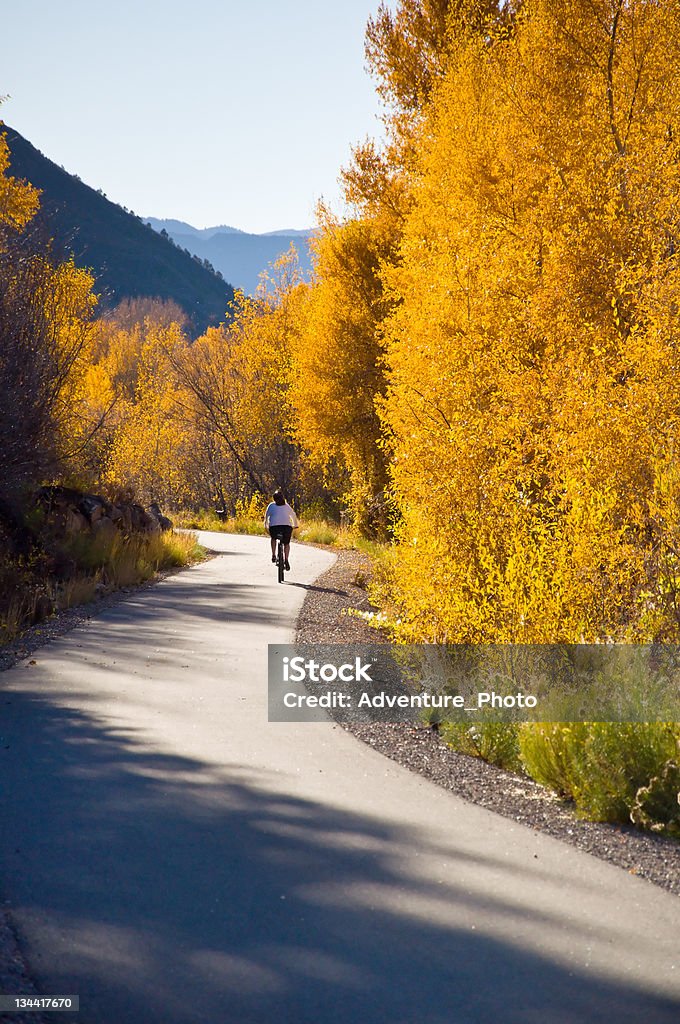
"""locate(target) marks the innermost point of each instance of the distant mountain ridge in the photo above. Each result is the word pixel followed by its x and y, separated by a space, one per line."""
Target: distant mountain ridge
pixel 240 256
pixel 129 259
pixel 180 227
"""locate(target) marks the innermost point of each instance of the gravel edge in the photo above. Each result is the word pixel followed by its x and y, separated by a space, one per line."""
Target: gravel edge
pixel 324 619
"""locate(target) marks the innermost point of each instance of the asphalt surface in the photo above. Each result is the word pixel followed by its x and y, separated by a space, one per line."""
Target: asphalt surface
pixel 171 857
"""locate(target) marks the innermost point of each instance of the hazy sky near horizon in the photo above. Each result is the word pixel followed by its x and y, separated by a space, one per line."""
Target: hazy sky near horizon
pixel 205 111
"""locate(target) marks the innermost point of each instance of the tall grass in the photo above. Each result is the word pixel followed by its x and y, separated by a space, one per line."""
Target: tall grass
pixel 12 619
pixel 123 561
pixel 318 531
pixel 79 590
pixel 96 563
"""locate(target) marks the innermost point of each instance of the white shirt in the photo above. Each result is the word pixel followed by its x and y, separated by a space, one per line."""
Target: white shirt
pixel 280 515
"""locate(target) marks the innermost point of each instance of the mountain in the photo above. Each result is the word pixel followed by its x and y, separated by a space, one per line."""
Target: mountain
pixel 128 258
pixel 288 233
pixel 241 257
pixel 180 227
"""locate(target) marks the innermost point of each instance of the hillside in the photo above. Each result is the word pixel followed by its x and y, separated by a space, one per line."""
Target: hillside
pixel 241 257
pixel 128 258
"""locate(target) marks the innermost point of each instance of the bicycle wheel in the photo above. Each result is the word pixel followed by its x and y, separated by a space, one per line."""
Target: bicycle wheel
pixel 280 560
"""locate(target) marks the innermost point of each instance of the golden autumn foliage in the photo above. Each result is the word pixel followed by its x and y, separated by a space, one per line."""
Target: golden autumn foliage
pixel 338 367
pixel 336 371
pixel 18 199
pixel 151 442
pixel 238 376
pixel 46 311
pixel 69 304
pixel 196 424
pixel 488 345
pixel 533 394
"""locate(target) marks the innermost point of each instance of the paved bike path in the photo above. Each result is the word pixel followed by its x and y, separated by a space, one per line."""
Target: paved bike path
pixel 172 857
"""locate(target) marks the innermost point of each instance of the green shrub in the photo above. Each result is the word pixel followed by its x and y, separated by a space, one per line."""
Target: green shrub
pixel 600 765
pixel 619 758
pixel 548 751
pixel 657 806
pixel 495 742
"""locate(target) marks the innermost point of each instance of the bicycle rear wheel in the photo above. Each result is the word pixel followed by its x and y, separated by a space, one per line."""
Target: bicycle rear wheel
pixel 280 559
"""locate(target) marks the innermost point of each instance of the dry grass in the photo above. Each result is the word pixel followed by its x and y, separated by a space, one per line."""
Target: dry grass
pixel 100 563
pixel 312 531
pixel 79 590
pixel 13 619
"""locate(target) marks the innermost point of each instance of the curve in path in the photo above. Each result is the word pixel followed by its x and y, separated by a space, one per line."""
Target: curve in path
pixel 173 858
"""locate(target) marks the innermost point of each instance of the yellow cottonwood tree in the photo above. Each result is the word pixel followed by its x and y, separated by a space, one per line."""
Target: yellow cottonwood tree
pixel 153 440
pixel 45 325
pixel 337 372
pixel 533 380
pixel 238 375
pixel 18 199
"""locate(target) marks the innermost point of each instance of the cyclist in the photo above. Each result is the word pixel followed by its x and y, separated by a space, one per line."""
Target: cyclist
pixel 280 520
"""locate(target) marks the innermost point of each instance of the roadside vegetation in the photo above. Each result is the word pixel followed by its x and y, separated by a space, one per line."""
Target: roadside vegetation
pixel 612 771
pixel 249 520
pixel 480 380
pixel 54 571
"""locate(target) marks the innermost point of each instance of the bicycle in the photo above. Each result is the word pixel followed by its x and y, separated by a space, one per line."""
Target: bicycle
pixel 280 558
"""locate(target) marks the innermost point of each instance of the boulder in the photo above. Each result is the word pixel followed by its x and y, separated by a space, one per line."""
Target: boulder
pixel 94 507
pixel 44 607
pixel 57 498
pixel 104 527
pixel 75 512
pixel 138 518
pixel 163 521
pixel 74 521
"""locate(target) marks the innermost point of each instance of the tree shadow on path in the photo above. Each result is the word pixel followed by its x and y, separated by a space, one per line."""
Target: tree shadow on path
pixel 164 890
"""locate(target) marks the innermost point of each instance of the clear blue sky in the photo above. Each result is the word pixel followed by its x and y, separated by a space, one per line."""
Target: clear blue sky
pixel 210 112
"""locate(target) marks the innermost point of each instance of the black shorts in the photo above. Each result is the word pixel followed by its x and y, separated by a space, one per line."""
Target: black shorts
pixel 284 532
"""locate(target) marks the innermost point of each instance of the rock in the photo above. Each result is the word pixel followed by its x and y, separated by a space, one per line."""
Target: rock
pixel 124 521
pixel 138 518
pixel 44 607
pixel 104 527
pixel 94 507
pixel 75 521
pixel 74 512
pixel 56 498
pixel 163 521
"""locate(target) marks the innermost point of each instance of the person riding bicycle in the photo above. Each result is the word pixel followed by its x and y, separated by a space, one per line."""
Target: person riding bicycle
pixel 280 520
